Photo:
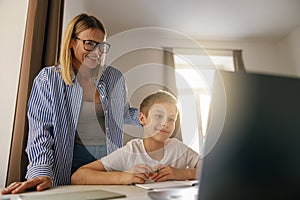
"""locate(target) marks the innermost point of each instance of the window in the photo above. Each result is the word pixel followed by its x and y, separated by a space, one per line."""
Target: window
pixel 194 79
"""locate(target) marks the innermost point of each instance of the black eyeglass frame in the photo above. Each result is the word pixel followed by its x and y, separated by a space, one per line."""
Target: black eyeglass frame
pixel 96 44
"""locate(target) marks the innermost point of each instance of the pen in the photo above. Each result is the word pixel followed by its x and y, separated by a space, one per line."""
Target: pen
pixel 194 184
pixel 157 170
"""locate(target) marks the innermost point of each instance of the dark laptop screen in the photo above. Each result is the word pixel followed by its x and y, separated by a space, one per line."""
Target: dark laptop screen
pixel 255 154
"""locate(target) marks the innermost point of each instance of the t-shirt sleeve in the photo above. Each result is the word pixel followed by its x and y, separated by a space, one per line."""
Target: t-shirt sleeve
pixel 192 158
pixel 116 161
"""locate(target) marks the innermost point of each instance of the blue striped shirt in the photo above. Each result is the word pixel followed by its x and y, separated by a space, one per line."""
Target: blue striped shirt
pixel 53 112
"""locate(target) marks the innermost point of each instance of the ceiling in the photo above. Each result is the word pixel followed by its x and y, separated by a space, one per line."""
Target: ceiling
pixel 221 20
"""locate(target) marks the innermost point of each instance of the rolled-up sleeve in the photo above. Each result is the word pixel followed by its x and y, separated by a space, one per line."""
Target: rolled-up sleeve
pixel 40 136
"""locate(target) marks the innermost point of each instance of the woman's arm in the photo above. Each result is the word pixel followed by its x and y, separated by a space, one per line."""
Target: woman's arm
pixel 131 114
pixel 40 136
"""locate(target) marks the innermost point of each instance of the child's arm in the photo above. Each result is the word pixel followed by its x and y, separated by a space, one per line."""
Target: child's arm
pixel 95 173
pixel 166 173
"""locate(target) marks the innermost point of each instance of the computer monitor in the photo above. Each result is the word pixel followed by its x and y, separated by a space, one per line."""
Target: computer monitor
pixel 252 148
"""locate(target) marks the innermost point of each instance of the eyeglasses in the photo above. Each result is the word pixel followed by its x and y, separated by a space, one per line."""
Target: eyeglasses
pixel 90 45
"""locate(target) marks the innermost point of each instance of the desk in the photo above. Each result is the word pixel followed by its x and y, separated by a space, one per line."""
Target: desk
pixel 131 191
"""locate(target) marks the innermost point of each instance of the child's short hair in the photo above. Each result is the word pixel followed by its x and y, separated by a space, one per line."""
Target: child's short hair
pixel 157 97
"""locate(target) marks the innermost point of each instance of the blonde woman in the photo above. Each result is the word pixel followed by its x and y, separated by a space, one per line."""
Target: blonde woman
pixel 76 109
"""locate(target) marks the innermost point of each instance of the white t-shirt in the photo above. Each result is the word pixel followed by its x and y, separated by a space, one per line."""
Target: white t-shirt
pixel 176 154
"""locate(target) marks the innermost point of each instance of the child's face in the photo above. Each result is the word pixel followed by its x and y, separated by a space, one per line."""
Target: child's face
pixel 160 122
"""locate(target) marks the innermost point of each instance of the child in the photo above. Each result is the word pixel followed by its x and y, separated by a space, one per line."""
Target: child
pixel 156 157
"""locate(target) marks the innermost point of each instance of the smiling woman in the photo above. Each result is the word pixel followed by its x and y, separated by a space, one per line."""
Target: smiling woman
pixel 66 100
pixel 88 60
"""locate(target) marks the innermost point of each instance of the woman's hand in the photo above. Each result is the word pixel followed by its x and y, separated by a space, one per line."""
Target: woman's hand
pixel 39 183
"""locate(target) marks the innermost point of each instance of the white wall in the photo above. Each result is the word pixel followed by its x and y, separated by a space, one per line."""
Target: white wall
pixel 262 57
pixel 13 17
pixel 259 57
pixel 289 51
pixel 278 58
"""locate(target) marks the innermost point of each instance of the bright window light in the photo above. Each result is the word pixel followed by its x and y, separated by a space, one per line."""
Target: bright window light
pixel 194 80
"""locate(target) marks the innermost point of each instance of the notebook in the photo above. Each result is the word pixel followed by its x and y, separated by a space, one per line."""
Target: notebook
pixel 80 195
pixel 187 193
pixel 157 186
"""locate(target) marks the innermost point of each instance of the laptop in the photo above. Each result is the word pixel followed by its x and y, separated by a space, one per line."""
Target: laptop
pixel 252 147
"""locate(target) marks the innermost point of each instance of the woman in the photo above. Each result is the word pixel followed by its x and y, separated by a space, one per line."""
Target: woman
pixel 79 101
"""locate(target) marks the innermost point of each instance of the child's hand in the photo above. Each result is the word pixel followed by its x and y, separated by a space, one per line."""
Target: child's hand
pixel 165 173
pixel 141 168
pixel 131 178
pixel 137 174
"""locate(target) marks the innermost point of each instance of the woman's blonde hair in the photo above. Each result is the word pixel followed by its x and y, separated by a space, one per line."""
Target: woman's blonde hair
pixel 78 24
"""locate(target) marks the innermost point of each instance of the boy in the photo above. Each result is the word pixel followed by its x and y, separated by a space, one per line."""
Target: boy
pixel 156 157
